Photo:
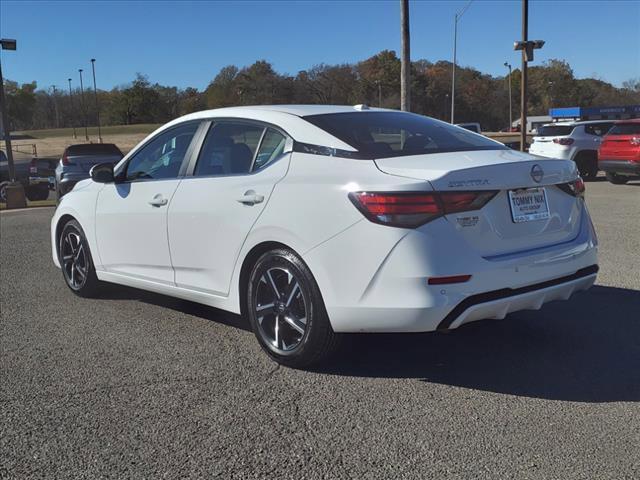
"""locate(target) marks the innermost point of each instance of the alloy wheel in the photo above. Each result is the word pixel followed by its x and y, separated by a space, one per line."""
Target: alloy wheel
pixel 74 259
pixel 281 309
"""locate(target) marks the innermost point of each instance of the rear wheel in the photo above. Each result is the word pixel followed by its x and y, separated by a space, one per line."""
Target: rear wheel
pixel 616 179
pixel 76 262
pixel 587 164
pixel 37 192
pixel 286 311
pixel 3 191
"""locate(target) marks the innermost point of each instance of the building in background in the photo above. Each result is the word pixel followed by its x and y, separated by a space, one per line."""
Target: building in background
pixel 595 113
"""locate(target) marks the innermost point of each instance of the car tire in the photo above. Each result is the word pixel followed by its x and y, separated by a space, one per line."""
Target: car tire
pixel 616 179
pixel 76 262
pixel 37 193
pixel 3 192
pixel 286 311
pixel 587 164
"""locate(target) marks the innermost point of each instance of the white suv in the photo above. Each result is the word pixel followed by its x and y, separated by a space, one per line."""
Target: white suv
pixel 577 141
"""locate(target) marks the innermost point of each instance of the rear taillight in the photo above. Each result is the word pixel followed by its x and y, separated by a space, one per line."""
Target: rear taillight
pixel 563 141
pixel 635 141
pixel 33 167
pixel 65 159
pixel 575 188
pixel 412 209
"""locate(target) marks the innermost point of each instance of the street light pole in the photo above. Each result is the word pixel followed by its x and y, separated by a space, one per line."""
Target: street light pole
pixel 73 120
pixel 455 51
pixel 84 107
pixel 14 192
pixel 508 65
pixel 95 91
pixel 55 105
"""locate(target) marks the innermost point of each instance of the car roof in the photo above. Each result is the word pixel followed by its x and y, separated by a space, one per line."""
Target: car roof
pixel 629 120
pixel 574 123
pixel 297 110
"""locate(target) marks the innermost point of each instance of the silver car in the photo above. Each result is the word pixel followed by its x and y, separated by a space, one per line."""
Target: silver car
pixel 78 159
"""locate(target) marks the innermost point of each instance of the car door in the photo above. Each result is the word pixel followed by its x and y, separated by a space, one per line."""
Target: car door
pixel 131 214
pixel 217 203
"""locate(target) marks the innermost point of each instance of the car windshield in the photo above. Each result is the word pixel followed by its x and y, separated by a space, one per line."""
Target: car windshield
pixel 554 130
pixel 625 129
pixel 395 134
pixel 93 149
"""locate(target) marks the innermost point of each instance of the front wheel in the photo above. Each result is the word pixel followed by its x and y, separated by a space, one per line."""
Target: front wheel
pixel 286 311
pixel 616 179
pixel 76 262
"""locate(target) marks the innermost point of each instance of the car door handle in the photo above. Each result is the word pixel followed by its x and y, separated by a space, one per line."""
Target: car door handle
pixel 251 198
pixel 158 201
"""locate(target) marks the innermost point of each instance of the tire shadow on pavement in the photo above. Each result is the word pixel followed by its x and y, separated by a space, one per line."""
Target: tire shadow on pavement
pixel 584 350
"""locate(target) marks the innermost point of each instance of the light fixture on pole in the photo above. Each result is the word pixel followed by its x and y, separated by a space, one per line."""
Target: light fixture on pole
pixel 14 192
pixel 84 107
pixel 455 51
pixel 73 120
pixel 508 65
pixel 95 91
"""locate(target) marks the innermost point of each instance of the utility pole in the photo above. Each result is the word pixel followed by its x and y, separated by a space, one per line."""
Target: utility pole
pixel 455 52
pixel 83 105
pixel 508 65
pixel 523 81
pixel 55 105
pixel 527 46
pixel 95 91
pixel 73 120
pixel 405 66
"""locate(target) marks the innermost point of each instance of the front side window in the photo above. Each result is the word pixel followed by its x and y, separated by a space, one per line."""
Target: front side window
pixel 162 157
pixel 394 134
pixel 228 149
pixel 272 146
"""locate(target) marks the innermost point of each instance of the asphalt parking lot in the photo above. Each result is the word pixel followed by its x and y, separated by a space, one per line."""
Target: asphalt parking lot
pixel 136 385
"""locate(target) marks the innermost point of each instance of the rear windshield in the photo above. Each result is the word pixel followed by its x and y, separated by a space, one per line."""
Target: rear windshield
pixel 625 129
pixel 394 134
pixel 94 149
pixel 554 130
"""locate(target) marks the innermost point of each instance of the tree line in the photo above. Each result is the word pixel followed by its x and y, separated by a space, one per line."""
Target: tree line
pixel 375 81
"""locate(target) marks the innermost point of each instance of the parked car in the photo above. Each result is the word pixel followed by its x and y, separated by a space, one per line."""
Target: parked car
pixel 35 175
pixel 472 127
pixel 78 159
pixel 317 220
pixel 619 153
pixel 577 141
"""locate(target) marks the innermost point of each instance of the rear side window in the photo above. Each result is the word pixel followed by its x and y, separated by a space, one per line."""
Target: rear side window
pixel 598 129
pixel 93 149
pixel 394 134
pixel 555 130
pixel 625 129
pixel 228 149
pixel 271 148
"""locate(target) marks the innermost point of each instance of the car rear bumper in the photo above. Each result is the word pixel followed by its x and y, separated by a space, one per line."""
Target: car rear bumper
pixel 620 166
pixel 391 293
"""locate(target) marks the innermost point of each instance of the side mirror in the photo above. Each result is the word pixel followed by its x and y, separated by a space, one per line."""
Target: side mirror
pixel 102 173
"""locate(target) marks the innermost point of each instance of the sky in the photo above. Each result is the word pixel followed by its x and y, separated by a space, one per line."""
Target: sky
pixel 186 43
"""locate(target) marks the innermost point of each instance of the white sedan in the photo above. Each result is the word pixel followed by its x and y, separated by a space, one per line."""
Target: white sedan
pixel 313 221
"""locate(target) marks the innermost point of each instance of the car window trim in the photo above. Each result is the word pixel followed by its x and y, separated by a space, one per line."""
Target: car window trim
pixel 121 174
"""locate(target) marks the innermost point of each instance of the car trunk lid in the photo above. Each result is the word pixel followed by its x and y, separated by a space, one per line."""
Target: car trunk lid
pixel 495 229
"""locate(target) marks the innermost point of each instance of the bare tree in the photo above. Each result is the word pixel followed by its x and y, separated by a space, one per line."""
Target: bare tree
pixel 405 68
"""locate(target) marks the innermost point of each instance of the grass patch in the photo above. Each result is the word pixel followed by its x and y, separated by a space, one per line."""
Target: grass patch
pixel 93 131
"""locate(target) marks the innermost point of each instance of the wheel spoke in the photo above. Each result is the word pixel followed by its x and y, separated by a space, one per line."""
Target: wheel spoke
pixel 295 324
pixel 265 309
pixel 272 284
pixel 78 252
pixel 276 331
pixel 67 258
pixel 81 273
pixel 73 275
pixel 294 288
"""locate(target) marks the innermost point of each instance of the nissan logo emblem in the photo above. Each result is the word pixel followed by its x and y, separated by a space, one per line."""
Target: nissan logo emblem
pixel 537 173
